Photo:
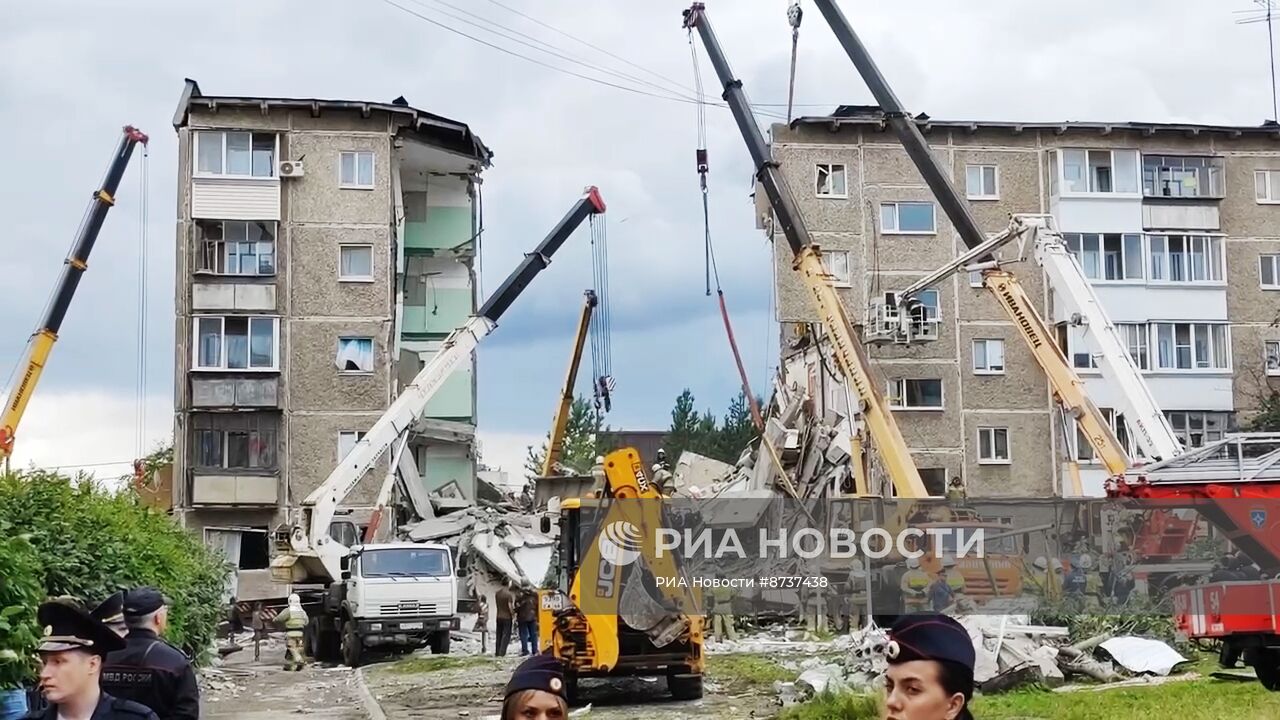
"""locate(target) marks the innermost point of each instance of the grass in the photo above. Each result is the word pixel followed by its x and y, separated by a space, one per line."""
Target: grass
pixel 829 706
pixel 740 672
pixel 1205 699
pixel 436 663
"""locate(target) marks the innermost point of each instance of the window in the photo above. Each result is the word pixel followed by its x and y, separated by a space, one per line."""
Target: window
pixel 975 278
pixel 836 263
pixel 934 479
pixel 1100 171
pixel 347 440
pixel 235 343
pixel 907 217
pixel 993 446
pixel 236 247
pixel 1186 258
pixel 1192 346
pixel 244 154
pixel 981 182
pixel 1110 256
pixel 1269 271
pixel 915 394
pixel 355 169
pixel 1266 185
pixel 988 357
pixel 1085 452
pixel 1134 336
pixel 234 440
pixel 926 315
pixel 830 181
pixel 1175 176
pixel 355 262
pixel 355 355
pixel 1195 429
pixel 1271 353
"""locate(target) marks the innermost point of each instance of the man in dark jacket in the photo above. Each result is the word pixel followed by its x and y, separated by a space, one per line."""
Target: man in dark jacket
pixel 149 670
pixel 527 618
pixel 71 656
pixel 504 602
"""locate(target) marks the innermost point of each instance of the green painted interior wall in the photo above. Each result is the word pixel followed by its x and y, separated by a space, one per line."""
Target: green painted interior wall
pixel 443 228
pixel 451 306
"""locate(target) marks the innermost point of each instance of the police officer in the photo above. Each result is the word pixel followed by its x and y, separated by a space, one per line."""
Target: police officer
pixel 71 662
pixel 110 612
pixel 149 670
pixel 930 675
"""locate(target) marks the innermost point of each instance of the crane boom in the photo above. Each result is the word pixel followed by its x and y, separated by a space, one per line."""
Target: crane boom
pixel 41 343
pixel 850 356
pixel 309 540
pixel 1152 430
pixel 560 422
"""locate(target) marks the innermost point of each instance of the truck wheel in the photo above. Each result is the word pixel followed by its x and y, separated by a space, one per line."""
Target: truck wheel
pixel 685 686
pixel 439 643
pixel 1267 667
pixel 352 649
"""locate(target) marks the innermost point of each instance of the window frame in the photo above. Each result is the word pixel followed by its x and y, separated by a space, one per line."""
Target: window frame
pixel 1099 242
pixel 830 167
pixel 373 355
pixel 896 393
pixel 360 435
pixel 224 255
pixel 1008 445
pixel 1187 259
pixel 222 330
pixel 224 443
pixel 995 182
pixel 836 280
pixel 1089 190
pixel 1209 174
pixel 897 219
pixel 1267 346
pixel 373 170
pixel 1184 430
pixel 199 138
pixel 1119 428
pixel 1191 336
pixel 1272 193
pixel 355 278
pixel 987 355
pixel 1274 260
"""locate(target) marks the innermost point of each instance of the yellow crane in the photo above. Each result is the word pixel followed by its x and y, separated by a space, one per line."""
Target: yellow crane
pixel 560 422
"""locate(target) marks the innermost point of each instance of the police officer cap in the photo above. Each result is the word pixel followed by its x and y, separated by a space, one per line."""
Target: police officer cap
pixel 539 672
pixel 67 627
pixel 142 601
pixel 930 637
pixel 110 610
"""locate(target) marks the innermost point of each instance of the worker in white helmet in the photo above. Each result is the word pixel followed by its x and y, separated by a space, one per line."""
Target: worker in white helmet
pixel 915 587
pixel 951 572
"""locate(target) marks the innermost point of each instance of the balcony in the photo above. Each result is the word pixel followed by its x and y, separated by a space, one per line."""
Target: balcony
pixel 234 488
pixel 235 392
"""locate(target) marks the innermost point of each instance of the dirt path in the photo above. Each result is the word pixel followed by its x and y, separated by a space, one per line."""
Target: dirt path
pixel 242 688
pixel 428 689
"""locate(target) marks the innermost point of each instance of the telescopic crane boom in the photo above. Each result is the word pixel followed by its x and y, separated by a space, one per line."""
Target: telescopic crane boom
pixel 42 340
pixel 1154 434
pixel 808 262
pixel 309 541
pixel 559 423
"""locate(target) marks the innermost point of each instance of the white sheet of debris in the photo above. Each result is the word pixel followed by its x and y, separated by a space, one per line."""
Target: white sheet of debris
pixel 1143 655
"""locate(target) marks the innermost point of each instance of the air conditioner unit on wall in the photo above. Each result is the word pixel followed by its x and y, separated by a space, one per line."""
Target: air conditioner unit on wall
pixel 290 168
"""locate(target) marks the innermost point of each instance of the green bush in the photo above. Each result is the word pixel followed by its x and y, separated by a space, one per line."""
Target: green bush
pixel 19 594
pixel 90 541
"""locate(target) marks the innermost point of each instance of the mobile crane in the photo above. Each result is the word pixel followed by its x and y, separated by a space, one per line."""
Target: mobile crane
pixel 42 340
pixel 560 422
pixel 395 594
pixel 601 621
pixel 849 353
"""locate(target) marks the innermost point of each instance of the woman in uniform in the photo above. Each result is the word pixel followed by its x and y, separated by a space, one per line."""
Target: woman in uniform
pixel 930 670
pixel 536 691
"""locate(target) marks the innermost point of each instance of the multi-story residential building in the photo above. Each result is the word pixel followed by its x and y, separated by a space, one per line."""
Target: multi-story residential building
pixel 1177 226
pixel 324 248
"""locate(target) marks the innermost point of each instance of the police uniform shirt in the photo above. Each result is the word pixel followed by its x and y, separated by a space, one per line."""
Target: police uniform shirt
pixel 151 671
pixel 67 629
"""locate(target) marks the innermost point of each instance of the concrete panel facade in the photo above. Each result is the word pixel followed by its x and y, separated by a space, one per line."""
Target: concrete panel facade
pixel 313 443
pixel 316 288
pixel 315 383
pixel 318 198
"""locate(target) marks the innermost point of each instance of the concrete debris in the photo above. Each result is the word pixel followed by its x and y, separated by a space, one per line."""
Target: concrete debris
pixel 1142 655
pixel 823 678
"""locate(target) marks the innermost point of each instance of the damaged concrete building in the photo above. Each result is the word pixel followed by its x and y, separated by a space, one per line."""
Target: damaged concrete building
pixel 1173 224
pixel 324 250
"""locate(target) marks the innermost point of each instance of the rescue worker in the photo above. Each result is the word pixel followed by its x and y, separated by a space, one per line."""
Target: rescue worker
pixel 940 594
pixel 955 578
pixel 598 477
pixel 71 660
pixel 722 614
pixel 930 675
pixel 955 490
pixel 504 610
pixel 110 612
pixel 856 598
pixel 294 619
pixel 149 670
pixel 536 691
pixel 1092 583
pixel 662 472
pixel 915 587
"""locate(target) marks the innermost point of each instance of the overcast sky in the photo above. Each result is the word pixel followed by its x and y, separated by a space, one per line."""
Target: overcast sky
pixel 74 72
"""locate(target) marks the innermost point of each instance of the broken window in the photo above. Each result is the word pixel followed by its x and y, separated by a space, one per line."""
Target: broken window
pixel 355 169
pixel 355 354
pixel 238 153
pixel 238 342
pixel 355 262
pixel 234 440
pixel 915 394
pixel 830 181
pixel 235 247
pixel 993 445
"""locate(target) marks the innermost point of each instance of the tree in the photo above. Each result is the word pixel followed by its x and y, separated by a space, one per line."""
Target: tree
pixel 1268 417
pixel 705 434
pixel 581 440
pixel 738 429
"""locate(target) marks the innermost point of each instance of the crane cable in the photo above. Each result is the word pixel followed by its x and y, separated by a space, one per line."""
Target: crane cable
pixel 140 379
pixel 709 249
pixel 794 15
pixel 602 382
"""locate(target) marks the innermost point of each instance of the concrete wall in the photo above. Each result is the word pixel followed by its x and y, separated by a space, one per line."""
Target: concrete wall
pixel 316 289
